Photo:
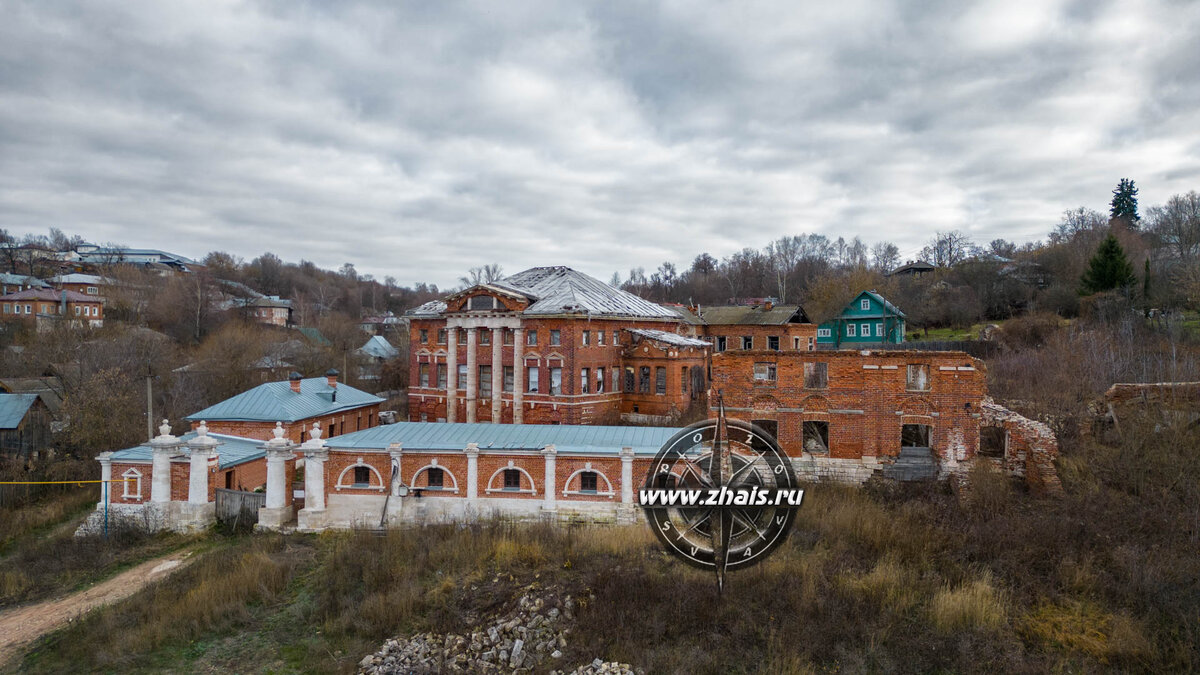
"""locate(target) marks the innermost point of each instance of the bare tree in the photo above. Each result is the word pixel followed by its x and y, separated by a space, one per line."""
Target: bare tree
pixel 485 274
pixel 947 249
pixel 885 256
pixel 1177 225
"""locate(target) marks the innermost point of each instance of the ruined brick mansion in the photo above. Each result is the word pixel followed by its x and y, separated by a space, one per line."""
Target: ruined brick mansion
pixel 517 387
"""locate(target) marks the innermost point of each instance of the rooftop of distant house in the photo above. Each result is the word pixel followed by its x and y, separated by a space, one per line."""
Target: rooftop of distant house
pixel 9 279
pixel 277 402
pixel 51 295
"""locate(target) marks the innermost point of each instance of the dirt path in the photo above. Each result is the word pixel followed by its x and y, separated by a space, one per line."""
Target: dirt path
pixel 22 625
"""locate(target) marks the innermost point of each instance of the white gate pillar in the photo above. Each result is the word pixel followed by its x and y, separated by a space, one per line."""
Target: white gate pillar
pixel 551 455
pixel 162 447
pixel 277 511
pixel 472 452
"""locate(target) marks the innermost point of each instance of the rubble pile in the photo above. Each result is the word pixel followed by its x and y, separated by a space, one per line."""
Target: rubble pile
pixel 531 636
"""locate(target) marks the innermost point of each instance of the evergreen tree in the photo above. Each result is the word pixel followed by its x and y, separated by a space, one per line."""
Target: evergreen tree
pixel 1124 202
pixel 1109 269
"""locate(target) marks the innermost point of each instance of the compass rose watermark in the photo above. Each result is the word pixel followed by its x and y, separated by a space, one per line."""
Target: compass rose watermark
pixel 721 495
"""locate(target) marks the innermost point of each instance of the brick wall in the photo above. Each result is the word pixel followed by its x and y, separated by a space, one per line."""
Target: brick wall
pixel 787 334
pixel 865 401
pixel 344 422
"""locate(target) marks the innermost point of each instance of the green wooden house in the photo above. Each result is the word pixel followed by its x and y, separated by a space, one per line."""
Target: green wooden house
pixel 868 320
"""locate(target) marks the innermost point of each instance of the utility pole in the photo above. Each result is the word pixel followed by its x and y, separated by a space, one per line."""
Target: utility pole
pixel 149 406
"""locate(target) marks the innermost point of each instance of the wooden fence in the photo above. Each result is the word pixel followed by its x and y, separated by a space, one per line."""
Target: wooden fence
pixel 239 508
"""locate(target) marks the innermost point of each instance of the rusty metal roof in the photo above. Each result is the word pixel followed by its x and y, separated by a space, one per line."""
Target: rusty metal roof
pixel 753 315
pixel 669 338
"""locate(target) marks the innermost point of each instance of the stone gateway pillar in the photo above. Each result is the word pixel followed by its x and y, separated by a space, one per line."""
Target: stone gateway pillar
pixel 277 511
pixel 199 512
pixel 107 487
pixel 162 448
pixel 627 511
pixel 312 516
pixel 551 455
pixel 472 452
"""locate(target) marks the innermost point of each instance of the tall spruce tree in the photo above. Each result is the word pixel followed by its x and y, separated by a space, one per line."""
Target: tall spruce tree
pixel 1124 202
pixel 1109 269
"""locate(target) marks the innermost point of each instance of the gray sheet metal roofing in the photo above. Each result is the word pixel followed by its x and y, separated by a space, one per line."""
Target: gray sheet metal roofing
pixel 13 408
pixel 669 338
pixel 752 315
pixel 276 402
pixel 562 290
pixel 233 450
pixel 455 437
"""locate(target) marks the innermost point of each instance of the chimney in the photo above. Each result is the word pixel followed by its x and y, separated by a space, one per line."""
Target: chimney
pixel 294 380
pixel 331 376
pixel 770 303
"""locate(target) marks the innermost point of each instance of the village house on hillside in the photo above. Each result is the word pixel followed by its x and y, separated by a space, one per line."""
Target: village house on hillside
pixel 868 320
pixel 44 306
pixel 15 283
pixel 24 424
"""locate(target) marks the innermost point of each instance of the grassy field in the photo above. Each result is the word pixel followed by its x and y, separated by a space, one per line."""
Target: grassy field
pixel 912 579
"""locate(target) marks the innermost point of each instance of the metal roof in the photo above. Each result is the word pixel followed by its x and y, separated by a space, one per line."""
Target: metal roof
pixel 51 295
pixel 380 348
pixel 233 450
pixel 669 338
pixel 22 280
pixel 564 438
pixel 13 408
pixel 753 315
pixel 561 290
pixel 276 402
pixel 892 309
pixel 77 278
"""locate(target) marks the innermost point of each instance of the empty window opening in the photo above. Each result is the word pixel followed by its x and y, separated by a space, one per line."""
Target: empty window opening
pixel 816 375
pixel 918 378
pixel 816 436
pixel 992 441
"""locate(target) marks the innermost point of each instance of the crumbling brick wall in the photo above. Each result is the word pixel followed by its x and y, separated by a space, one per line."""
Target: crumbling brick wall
pixel 1030 447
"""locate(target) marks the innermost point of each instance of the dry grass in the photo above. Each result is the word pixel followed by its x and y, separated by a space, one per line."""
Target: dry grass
pixel 23 520
pixel 1080 626
pixel 975 605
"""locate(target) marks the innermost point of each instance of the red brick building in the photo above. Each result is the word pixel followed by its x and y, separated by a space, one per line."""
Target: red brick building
pixel 44 305
pixel 551 345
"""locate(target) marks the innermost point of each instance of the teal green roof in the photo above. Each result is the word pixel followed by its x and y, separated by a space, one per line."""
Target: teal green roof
pixel 233 450
pixel 276 402
pixel 13 408
pixel 564 438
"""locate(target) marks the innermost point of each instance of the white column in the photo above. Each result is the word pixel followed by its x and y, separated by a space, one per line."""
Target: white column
pixel 202 448
pixel 106 488
pixel 162 447
pixel 472 373
pixel 627 475
pixel 551 455
pixel 518 375
pixel 472 452
pixel 497 374
pixel 277 477
pixel 314 478
pixel 396 451
pixel 451 374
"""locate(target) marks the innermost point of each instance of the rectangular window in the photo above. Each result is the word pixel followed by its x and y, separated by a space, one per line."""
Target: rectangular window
pixel 508 378
pixel 512 479
pixel 461 381
pixel 485 381
pixel 600 338
pixel 992 441
pixel 76 310
pixel 441 375
pixel 764 371
pixel 851 330
pixel 362 476
pixel 531 338
pixel 435 478
pixel 615 340
pixel 720 343
pixel 866 330
pixel 812 344
pixel 441 336
pixel 660 380
pixel 865 304
pixel 616 379
pixel 586 336
pixel 816 375
pixel 683 380
pixel 508 336
pixel 918 378
pixel 628 379
pixel 600 379
pixel 485 337
pixel 879 330
pixel 587 481
pixel 555 338
pixel 585 383
pixel 796 343
pixel 773 342
pixel 644 379
pixel 824 332
pixel 556 381
pixel 92 290
pixel 423 369
pixel 531 375
pixel 747 342
pixel 424 335
pixel 816 437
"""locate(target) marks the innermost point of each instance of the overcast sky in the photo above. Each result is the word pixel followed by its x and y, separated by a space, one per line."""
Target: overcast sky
pixel 422 140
